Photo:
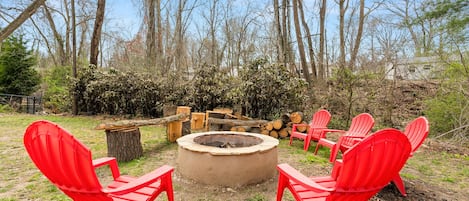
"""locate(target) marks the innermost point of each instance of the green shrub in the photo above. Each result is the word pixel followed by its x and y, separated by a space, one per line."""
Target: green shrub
pixel 449 109
pixel 17 75
pixel 57 93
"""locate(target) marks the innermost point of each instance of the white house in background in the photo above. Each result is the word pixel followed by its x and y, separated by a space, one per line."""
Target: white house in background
pixel 416 68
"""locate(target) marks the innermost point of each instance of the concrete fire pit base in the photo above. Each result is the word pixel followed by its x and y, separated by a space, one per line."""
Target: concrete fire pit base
pixel 230 166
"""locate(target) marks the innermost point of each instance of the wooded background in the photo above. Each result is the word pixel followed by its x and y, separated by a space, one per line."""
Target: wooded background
pixel 336 47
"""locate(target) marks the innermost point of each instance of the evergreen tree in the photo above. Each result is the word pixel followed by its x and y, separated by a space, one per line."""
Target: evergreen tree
pixel 16 73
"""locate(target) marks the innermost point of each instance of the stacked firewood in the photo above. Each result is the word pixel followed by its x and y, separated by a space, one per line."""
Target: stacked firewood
pixel 281 128
pixel 278 128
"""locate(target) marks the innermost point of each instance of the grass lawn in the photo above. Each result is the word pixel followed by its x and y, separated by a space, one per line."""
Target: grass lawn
pixel 429 175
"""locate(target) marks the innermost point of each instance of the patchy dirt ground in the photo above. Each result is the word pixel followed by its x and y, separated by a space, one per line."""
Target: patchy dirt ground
pixel 419 186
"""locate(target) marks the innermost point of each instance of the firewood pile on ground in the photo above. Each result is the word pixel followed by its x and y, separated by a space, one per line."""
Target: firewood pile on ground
pixel 226 120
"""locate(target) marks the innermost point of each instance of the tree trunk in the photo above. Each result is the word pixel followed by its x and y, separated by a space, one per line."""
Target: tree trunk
pixel 358 39
pixel 280 44
pixel 151 36
pixel 124 145
pixel 322 40
pixel 30 10
pixel 342 33
pixel 308 36
pixel 98 24
pixel 299 39
pixel 74 57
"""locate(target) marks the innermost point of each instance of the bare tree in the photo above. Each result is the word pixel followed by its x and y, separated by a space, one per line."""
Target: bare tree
pixel 322 39
pixel 30 10
pixel 301 49
pixel 95 40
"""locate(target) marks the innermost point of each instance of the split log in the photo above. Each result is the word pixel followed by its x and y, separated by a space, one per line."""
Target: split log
pixel 302 128
pixel 269 126
pixel 283 133
pixel 277 124
pixel 124 145
pixel 235 122
pixel 244 128
pixel 296 117
pixel 264 132
pixel 273 133
pixel 127 124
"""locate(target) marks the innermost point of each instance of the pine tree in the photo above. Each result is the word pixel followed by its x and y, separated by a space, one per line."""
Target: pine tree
pixel 17 75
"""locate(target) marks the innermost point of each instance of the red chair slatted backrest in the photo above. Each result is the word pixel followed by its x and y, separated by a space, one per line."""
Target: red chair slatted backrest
pixel 371 164
pixel 417 131
pixel 361 125
pixel 320 120
pixel 64 160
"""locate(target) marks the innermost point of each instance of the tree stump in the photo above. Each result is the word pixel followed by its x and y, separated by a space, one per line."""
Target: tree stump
pixel 124 145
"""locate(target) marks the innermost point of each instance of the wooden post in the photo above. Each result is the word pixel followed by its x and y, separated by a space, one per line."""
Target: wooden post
pixel 175 128
pixel 197 120
pixel 124 145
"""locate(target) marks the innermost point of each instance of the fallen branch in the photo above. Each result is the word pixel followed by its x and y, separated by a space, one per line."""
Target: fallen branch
pixel 136 123
pixel 458 128
pixel 235 122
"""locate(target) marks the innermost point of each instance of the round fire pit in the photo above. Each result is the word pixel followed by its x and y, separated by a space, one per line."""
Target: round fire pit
pixel 227 158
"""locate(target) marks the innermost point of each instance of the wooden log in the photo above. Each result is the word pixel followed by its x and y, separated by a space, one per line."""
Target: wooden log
pixel 277 124
pixel 273 133
pixel 234 128
pixel 264 132
pixel 269 126
pixel 126 124
pixel 283 133
pixel 244 128
pixel 296 117
pixel 235 122
pixel 303 128
pixel 124 145
pixel 213 115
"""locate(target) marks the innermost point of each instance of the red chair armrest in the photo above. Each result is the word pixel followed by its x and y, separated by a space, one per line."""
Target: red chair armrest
pixel 334 130
pixel 293 174
pixel 326 142
pixel 155 175
pixel 111 161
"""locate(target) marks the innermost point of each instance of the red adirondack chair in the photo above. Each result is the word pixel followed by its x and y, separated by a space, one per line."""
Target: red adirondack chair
pixel 362 172
pixel 416 131
pixel 361 125
pixel 67 163
pixel 316 128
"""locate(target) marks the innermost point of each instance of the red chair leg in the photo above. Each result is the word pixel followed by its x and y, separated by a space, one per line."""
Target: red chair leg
pixel 282 184
pixel 399 184
pixel 334 152
pixel 307 142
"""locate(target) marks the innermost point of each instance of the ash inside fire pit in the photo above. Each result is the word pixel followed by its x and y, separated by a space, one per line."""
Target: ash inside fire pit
pixel 227 140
